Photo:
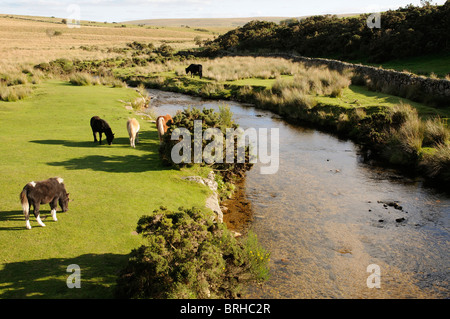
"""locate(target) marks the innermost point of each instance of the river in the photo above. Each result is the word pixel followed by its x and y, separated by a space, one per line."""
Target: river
pixel 326 216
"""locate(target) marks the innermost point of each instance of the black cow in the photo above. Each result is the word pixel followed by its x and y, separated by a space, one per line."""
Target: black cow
pixel 101 126
pixel 195 69
pixel 50 191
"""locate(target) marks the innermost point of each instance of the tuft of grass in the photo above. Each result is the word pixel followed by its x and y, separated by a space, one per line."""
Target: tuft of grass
pixel 437 164
pixel 435 132
pixel 406 135
pixel 83 79
pixel 14 93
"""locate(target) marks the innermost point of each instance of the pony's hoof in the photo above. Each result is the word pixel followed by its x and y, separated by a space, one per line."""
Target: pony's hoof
pixel 40 222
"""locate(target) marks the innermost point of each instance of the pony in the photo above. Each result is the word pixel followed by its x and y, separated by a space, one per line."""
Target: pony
pixel 50 191
pixel 133 131
pixel 162 123
pixel 101 126
pixel 195 69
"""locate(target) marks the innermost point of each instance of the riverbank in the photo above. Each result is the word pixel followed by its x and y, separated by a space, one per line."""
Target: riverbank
pixel 392 130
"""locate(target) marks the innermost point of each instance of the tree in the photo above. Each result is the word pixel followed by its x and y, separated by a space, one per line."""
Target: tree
pixel 198 40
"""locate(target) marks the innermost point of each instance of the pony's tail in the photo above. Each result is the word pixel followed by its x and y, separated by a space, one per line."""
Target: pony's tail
pixel 160 127
pixel 24 201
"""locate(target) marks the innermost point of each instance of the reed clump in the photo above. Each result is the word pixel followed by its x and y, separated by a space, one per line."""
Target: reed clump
pixel 295 96
pixel 14 93
pixel 437 163
pixel 435 132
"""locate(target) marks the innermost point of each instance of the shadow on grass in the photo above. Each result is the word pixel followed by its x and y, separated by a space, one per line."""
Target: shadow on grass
pixel 17 215
pixel 47 278
pixel 147 141
pixel 115 163
pixel 131 163
pixel 13 215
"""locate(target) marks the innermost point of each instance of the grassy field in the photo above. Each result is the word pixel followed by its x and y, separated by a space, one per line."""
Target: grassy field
pixel 49 135
pixel 29 40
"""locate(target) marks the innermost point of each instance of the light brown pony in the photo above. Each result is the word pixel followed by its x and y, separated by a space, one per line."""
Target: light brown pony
pixel 133 131
pixel 162 123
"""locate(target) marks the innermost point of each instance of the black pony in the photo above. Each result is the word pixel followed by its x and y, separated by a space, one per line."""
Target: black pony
pixel 195 69
pixel 50 191
pixel 101 126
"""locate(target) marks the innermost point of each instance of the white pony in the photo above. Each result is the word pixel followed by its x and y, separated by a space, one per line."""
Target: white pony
pixel 133 131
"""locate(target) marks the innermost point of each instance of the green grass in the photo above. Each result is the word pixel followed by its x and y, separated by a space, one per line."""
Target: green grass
pixel 359 96
pixel 49 135
pixel 438 64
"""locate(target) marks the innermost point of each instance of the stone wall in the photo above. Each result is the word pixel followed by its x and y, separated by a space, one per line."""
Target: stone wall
pixel 386 80
pixel 403 84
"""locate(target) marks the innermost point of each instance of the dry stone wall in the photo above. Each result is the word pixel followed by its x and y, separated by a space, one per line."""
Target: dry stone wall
pixel 384 79
pixel 403 84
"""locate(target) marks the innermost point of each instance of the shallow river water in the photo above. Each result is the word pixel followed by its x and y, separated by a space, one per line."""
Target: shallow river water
pixel 325 216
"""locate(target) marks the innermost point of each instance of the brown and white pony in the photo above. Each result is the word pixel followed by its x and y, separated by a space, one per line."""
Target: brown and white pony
pixel 133 131
pixel 50 191
pixel 162 124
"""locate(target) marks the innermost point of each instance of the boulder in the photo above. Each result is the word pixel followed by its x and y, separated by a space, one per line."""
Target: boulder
pixel 212 202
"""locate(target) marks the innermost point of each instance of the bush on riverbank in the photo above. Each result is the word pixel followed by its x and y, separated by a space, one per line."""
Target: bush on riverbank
pixel 186 255
pixel 210 119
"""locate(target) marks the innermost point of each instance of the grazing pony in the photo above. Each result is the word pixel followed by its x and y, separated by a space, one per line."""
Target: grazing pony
pixel 162 123
pixel 101 126
pixel 133 131
pixel 195 69
pixel 50 191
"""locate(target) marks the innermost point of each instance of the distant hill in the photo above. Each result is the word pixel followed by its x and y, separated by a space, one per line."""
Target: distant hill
pixel 217 22
pixel 204 22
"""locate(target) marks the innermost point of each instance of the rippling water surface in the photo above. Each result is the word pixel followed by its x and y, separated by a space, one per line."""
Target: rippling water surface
pixel 325 216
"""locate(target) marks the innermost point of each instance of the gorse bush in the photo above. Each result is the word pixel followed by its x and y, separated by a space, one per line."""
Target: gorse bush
pixel 408 31
pixel 221 120
pixel 186 255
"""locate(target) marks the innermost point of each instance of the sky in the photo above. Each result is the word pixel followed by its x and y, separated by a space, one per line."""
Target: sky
pixel 126 10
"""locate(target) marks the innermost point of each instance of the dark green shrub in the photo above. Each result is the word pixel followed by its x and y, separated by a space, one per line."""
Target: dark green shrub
pixel 210 119
pixel 165 50
pixel 187 255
